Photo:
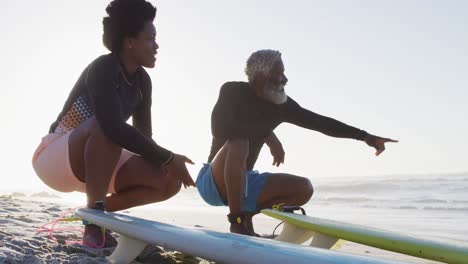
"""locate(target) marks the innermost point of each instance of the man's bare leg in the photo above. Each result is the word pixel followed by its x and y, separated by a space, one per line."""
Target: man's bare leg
pixel 286 189
pixel 228 168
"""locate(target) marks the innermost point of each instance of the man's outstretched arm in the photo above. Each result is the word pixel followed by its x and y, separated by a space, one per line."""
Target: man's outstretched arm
pixel 302 117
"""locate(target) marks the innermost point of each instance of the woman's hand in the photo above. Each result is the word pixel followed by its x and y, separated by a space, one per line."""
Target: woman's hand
pixel 177 168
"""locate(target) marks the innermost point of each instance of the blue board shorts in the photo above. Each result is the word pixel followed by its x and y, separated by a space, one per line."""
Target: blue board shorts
pixel 209 192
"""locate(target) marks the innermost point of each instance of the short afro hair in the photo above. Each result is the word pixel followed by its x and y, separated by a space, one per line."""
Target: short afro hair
pixel 260 63
pixel 126 18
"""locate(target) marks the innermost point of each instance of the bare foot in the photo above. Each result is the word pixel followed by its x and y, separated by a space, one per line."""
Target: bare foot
pixel 93 237
pixel 241 229
pixel 249 225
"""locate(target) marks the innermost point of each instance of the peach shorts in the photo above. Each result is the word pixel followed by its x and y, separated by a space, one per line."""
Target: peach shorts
pixel 52 164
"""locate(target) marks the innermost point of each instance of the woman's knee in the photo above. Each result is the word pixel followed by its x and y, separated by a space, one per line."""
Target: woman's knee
pixel 172 186
pixel 163 189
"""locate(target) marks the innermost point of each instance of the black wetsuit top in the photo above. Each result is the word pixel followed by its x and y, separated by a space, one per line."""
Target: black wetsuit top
pixel 240 113
pixel 105 92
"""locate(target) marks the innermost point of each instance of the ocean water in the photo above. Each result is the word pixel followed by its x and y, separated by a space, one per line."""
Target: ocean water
pixel 426 206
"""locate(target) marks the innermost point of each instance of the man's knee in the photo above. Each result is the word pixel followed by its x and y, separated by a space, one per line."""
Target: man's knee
pixel 306 190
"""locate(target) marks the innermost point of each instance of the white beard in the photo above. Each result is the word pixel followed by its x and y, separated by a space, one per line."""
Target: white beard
pixel 275 93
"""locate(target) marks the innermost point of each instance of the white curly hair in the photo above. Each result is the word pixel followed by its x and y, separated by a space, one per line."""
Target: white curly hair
pixel 260 63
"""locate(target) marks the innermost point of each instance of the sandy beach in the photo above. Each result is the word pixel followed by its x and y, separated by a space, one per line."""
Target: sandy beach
pixel 21 215
pixel 19 243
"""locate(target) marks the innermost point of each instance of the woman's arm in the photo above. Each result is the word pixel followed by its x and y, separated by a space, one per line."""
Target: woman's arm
pixel 141 119
pixel 101 83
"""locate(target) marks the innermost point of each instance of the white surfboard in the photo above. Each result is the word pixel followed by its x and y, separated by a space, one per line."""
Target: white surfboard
pixel 135 233
pixel 326 233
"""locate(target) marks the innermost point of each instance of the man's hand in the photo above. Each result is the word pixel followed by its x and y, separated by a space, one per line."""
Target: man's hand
pixel 177 168
pixel 377 142
pixel 276 149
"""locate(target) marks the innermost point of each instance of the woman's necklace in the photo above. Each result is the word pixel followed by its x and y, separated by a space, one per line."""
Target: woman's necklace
pixel 131 84
pixel 125 79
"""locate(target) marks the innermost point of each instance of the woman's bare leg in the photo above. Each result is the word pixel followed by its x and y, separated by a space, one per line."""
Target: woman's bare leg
pixel 93 158
pixel 138 182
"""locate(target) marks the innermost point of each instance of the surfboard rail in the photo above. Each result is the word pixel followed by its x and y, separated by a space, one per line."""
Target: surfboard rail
pixel 332 231
pixel 135 233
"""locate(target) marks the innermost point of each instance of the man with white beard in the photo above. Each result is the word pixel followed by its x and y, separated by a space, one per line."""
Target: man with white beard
pixel 242 120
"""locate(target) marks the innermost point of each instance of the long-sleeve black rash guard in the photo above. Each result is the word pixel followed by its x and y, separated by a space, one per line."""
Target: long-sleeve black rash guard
pixel 103 91
pixel 240 113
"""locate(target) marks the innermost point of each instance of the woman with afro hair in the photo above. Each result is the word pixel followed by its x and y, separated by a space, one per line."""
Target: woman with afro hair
pixel 90 147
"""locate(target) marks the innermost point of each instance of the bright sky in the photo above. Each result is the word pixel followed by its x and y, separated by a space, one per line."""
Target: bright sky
pixel 394 68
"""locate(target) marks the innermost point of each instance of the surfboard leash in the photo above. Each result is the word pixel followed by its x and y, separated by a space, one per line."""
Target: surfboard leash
pixel 288 209
pixel 68 216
